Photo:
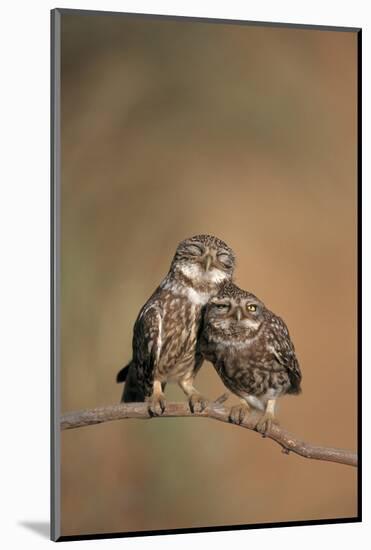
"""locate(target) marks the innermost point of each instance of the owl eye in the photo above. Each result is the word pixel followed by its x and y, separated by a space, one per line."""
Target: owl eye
pixel 221 307
pixel 194 250
pixel 225 259
pixel 252 307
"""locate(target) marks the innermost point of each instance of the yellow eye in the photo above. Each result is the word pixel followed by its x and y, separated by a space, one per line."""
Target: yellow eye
pixel 251 307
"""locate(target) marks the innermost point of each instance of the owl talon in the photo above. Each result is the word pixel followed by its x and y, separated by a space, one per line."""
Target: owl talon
pixel 157 405
pixel 238 413
pixel 265 424
pixel 197 403
pixel 220 400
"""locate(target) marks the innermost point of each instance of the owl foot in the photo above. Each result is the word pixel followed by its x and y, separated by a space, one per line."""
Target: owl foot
pixel 156 404
pixel 238 413
pixel 264 425
pixel 197 403
pixel 220 400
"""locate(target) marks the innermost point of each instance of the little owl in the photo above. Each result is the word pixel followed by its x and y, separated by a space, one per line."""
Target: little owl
pixel 251 350
pixel 167 327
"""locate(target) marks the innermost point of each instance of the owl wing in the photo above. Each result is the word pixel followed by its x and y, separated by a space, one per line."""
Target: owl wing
pixel 147 345
pixel 284 352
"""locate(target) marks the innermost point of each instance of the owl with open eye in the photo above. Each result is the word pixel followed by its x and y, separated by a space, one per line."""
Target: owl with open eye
pixel 166 330
pixel 251 349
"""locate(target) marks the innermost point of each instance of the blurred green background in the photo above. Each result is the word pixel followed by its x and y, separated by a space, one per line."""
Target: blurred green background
pixel 173 128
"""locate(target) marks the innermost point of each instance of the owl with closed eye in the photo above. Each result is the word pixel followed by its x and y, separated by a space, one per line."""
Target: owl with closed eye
pixel 166 330
pixel 251 349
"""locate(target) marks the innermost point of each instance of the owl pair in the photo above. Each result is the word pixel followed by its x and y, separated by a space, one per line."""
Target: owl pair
pixel 198 313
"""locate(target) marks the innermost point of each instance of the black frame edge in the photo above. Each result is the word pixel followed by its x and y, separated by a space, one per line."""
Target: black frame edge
pixel 168 17
pixel 359 269
pixel 214 529
pixel 55 22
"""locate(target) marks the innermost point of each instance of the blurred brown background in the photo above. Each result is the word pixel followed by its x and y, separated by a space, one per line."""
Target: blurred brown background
pixel 173 128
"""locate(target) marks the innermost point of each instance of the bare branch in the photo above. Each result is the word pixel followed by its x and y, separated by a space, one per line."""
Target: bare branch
pixel 216 411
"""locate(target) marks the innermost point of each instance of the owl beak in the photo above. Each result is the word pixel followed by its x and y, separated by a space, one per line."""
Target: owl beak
pixel 208 261
pixel 238 314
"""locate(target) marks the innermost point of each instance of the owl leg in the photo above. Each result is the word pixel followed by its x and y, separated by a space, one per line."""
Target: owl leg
pixel 238 413
pixel 196 401
pixel 265 423
pixel 156 402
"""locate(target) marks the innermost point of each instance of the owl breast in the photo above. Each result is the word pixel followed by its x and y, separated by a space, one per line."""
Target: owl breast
pixel 248 370
pixel 180 322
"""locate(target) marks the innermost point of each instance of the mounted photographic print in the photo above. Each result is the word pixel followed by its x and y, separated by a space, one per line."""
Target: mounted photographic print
pixel 205 285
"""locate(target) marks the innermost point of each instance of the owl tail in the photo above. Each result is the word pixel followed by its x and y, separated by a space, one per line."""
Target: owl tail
pixel 132 391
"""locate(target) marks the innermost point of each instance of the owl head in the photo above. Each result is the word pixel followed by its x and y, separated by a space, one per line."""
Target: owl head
pixel 233 312
pixel 204 259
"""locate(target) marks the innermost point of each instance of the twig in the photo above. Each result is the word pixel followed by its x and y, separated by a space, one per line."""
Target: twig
pixel 215 411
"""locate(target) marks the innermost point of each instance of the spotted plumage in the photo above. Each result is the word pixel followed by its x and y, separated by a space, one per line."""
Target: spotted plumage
pixel 251 349
pixel 166 329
